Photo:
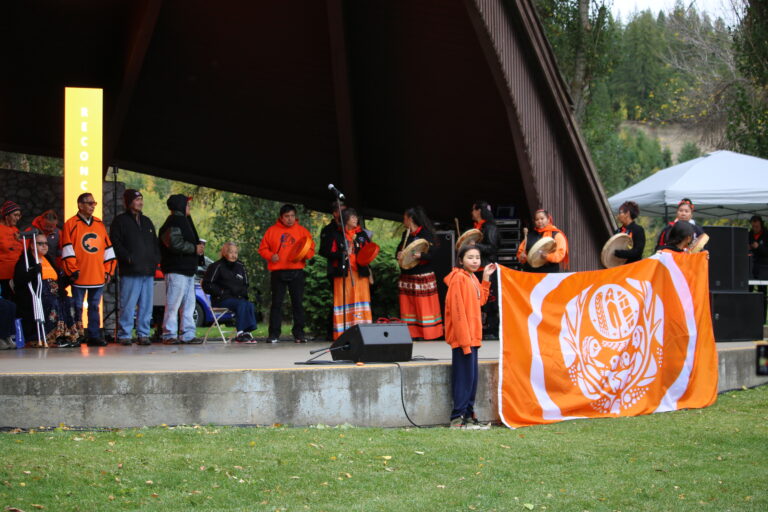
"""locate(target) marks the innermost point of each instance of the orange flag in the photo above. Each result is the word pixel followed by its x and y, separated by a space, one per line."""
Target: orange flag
pixel 630 340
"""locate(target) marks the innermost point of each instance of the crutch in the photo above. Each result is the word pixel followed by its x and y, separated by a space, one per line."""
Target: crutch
pixel 37 293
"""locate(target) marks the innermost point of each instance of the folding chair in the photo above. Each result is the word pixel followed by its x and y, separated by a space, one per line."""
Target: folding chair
pixel 217 314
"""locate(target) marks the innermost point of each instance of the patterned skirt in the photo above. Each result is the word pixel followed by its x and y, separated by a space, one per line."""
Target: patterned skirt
pixel 420 305
pixel 358 299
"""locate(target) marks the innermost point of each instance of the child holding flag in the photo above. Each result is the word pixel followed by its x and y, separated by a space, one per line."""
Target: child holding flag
pixel 464 330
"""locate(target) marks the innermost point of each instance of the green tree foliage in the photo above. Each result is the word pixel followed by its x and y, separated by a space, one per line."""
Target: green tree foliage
pixel 748 119
pixel 689 151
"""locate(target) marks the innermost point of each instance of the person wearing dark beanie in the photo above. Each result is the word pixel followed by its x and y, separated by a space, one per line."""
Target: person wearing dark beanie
pixel 10 246
pixel 138 254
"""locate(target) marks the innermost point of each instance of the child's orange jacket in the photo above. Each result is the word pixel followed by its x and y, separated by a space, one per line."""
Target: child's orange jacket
pixel 463 319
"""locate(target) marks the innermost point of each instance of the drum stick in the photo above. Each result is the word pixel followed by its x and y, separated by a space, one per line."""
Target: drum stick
pixel 458 229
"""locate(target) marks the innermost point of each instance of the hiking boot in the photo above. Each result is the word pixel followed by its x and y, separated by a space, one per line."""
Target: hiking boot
pixel 143 340
pixel 171 341
pixel 193 341
pixel 474 424
pixel 7 344
pixel 125 341
pixel 458 422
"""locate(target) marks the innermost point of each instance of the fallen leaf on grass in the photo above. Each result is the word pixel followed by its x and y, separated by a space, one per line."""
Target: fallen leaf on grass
pixel 238 467
pixel 295 477
pixel 111 498
pixel 149 482
pixel 35 505
pixel 505 446
pixel 441 487
pixel 529 506
pixel 386 457
pixel 418 453
pixel 155 495
pixel 27 472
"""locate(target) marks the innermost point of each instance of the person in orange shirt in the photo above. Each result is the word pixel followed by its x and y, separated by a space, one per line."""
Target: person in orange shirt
pixel 275 248
pixel 464 330
pixel 88 259
pixel 10 246
pixel 543 227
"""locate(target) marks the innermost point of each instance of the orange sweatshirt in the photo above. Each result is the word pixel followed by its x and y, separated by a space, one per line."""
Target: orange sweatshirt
pixel 10 250
pixel 463 319
pixel 280 239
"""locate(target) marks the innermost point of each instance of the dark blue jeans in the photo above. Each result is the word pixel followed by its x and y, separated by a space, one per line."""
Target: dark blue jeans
pixel 7 318
pixel 94 319
pixel 464 370
pixel 245 316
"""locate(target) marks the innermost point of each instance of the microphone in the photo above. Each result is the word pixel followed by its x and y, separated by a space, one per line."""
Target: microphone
pixel 333 189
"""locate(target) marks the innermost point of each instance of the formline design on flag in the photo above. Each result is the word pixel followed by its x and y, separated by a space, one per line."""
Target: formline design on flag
pixel 635 339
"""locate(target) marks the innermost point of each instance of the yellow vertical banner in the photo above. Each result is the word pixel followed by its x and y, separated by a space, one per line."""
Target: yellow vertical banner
pixel 83 140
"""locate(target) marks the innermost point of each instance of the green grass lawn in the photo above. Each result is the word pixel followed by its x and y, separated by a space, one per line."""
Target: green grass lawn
pixel 710 459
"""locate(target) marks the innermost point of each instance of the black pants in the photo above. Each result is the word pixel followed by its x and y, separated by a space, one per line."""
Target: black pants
pixel 464 370
pixel 293 281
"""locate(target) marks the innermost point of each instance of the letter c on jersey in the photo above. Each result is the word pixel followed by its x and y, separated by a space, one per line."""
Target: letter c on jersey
pixel 85 242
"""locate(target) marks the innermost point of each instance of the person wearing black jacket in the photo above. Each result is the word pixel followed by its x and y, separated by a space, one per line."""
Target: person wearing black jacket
pixel 628 212
pixel 326 241
pixel 417 286
pixel 483 219
pixel 138 254
pixel 180 252
pixel 351 281
pixel 52 278
pixel 226 281
pixel 758 247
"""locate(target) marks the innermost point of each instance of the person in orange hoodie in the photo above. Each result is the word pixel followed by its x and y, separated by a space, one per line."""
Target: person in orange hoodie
pixel 285 273
pixel 11 246
pixel 464 330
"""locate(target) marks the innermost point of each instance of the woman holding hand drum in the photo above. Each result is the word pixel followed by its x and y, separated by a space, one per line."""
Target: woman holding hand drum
pixel 417 287
pixel 546 248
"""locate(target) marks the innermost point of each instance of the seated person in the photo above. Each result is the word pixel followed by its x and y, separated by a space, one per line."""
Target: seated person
pixel 26 273
pixel 226 282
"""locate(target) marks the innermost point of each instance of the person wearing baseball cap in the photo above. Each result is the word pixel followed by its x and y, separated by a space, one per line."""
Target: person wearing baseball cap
pixel 10 246
pixel 136 247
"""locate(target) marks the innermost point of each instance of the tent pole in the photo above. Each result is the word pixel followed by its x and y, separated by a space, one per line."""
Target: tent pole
pixel 666 214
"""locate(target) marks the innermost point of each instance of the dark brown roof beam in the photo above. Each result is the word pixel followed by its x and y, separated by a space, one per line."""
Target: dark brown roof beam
pixel 341 89
pixel 140 30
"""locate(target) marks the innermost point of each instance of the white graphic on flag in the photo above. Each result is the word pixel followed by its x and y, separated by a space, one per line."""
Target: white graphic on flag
pixel 611 339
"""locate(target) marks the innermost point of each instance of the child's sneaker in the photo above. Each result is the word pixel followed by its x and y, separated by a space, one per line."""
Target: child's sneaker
pixel 474 424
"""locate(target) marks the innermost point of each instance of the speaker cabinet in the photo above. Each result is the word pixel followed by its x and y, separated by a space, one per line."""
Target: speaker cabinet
pixel 443 260
pixel 374 343
pixel 728 258
pixel 737 316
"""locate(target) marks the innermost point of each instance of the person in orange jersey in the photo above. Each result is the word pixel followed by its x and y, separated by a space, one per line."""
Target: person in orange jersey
pixel 543 227
pixel 276 248
pixel 11 246
pixel 464 330
pixel 88 259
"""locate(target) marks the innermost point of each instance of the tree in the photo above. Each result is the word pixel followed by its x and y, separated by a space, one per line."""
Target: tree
pixel 689 151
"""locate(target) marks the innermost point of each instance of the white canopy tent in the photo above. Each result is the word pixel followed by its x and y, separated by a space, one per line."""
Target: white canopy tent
pixel 720 184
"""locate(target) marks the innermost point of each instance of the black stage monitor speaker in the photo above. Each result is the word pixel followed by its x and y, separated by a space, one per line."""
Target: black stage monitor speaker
pixel 728 258
pixel 737 316
pixel 374 343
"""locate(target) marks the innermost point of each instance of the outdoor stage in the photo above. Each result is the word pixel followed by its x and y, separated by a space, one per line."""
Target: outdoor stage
pixel 118 386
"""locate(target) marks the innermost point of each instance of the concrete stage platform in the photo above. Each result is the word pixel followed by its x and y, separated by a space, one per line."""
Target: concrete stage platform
pixel 118 386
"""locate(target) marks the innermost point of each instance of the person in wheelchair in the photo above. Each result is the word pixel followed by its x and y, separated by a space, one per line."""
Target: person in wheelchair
pixel 226 281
